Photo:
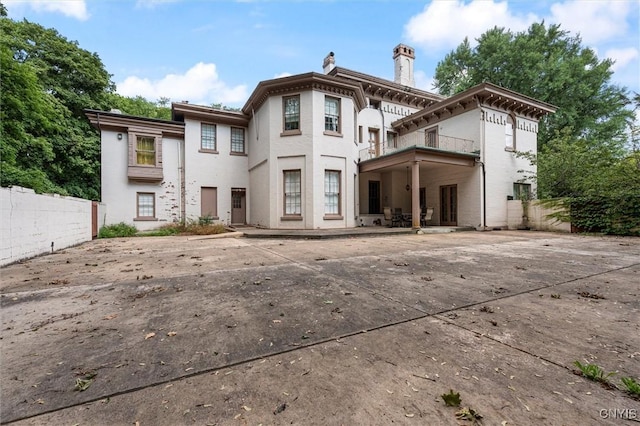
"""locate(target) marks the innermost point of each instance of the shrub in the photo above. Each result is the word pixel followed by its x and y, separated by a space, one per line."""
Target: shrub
pixel 198 229
pixel 117 230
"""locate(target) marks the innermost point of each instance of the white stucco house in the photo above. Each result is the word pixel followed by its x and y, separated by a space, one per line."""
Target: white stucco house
pixel 324 150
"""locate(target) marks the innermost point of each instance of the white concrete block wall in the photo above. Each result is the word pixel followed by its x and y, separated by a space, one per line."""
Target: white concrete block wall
pixel 537 217
pixel 31 222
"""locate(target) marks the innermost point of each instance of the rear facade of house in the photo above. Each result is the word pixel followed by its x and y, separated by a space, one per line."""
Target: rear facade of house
pixel 324 150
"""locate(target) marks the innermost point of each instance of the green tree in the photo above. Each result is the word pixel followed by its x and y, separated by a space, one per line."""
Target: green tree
pixel 28 118
pixel 47 81
pixel 550 65
pixel 139 106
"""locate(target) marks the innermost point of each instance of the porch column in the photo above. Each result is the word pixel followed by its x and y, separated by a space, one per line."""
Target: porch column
pixel 415 195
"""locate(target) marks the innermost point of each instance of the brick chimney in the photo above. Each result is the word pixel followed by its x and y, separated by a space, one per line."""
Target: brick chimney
pixel 329 63
pixel 403 57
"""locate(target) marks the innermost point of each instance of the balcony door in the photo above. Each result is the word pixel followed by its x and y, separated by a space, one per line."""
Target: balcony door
pixel 374 142
pixel 449 205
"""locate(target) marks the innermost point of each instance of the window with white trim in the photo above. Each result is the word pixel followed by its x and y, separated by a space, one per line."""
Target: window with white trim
pixel 292 192
pixel 208 137
pixel 509 132
pixel 331 192
pixel 332 114
pixel 146 205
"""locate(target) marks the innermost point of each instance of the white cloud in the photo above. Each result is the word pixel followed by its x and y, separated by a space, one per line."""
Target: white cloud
pixel 282 74
pixel 424 82
pixel 73 8
pixel 151 4
pixel 596 21
pixel 442 25
pixel 622 57
pixel 199 85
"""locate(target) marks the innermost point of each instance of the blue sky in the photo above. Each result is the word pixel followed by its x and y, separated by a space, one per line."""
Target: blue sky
pixel 217 51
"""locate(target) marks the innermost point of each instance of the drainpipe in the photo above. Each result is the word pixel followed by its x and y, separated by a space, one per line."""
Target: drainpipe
pixel 181 174
pixel 481 162
pixel 384 131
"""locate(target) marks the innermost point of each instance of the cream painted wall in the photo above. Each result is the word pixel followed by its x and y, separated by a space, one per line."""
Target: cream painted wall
pixel 463 126
pixel 502 165
pixel 120 194
pixel 221 170
pixel 468 181
pixel 262 187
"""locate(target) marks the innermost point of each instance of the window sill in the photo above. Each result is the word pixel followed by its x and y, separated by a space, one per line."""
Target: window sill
pixel 333 217
pixel 332 133
pixel 285 218
pixel 291 132
pixel 208 151
pixel 239 154
pixel 145 219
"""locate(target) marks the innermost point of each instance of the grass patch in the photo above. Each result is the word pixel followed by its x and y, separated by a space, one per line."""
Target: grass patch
pixel 631 386
pixel 593 372
pixel 117 230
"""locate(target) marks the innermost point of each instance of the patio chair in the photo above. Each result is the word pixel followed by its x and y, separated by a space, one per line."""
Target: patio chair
pixel 388 217
pixel 396 217
pixel 425 216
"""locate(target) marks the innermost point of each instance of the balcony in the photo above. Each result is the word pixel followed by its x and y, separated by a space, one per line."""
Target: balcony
pixel 429 140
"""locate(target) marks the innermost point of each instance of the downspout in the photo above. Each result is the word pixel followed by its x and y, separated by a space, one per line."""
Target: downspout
pixel 253 114
pixel 481 162
pixel 181 174
pixel 384 130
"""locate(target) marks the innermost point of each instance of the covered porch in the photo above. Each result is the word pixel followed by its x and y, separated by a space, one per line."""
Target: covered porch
pixel 414 180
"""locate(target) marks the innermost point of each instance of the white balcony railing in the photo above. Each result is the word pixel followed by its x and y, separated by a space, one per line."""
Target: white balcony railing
pixel 421 139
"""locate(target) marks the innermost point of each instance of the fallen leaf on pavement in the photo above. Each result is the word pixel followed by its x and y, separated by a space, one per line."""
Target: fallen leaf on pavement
pixel 171 333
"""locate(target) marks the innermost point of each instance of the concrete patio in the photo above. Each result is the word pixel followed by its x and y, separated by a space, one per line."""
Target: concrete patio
pixel 353 330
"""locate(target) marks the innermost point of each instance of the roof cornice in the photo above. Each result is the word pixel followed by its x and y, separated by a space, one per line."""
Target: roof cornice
pixel 182 110
pixel 484 94
pixel 386 90
pixel 302 82
pixel 105 120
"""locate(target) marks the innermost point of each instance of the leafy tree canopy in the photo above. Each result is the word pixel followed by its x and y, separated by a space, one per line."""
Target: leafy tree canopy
pixel 47 81
pixel 550 65
pixel 141 107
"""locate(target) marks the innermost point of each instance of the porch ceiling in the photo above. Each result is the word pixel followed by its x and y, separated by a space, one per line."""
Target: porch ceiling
pixel 401 159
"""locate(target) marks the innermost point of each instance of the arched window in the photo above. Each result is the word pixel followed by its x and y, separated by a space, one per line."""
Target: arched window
pixel 510 134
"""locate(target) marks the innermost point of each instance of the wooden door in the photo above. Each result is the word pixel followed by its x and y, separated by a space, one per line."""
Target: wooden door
pixel 449 205
pixel 238 206
pixel 374 197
